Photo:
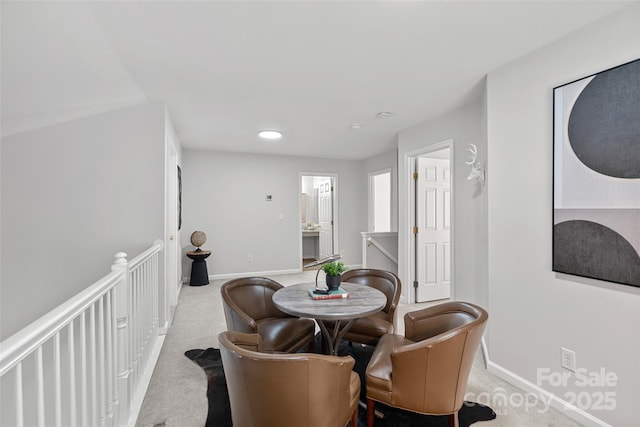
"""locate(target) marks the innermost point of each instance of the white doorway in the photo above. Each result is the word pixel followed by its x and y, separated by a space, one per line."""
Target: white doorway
pixel 173 183
pixel 325 215
pixel 380 201
pixel 432 251
pixel 433 223
pixel 318 207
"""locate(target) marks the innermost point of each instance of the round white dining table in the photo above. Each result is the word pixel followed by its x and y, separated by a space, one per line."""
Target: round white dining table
pixel 362 301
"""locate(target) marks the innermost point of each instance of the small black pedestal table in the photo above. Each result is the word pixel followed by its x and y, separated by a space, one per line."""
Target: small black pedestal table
pixel 199 274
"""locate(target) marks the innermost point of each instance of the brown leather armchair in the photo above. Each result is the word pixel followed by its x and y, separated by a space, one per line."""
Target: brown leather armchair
pixel 368 330
pixel 301 389
pixel 427 370
pixel 248 308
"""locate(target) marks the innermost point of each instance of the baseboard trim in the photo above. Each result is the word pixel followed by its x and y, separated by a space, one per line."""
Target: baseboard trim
pixel 485 352
pixel 182 282
pixel 557 403
pixel 252 274
pixel 145 380
pixel 164 329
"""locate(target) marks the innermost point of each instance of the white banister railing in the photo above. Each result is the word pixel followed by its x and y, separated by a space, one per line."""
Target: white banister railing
pixel 386 249
pixel 381 248
pixel 82 363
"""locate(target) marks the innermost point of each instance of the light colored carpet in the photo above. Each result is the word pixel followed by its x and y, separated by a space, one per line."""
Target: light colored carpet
pixel 177 393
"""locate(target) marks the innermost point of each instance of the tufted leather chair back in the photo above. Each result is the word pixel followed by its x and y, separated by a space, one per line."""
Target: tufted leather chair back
pixel 250 296
pixel 368 330
pixel 384 281
pixel 248 307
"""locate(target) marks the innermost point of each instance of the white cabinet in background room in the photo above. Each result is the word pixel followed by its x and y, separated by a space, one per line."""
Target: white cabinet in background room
pixel 310 244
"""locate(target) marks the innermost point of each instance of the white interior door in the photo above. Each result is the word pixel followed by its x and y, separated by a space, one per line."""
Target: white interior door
pixel 172 269
pixel 325 216
pixel 433 217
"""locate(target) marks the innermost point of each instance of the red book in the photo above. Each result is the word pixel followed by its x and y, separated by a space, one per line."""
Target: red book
pixel 338 293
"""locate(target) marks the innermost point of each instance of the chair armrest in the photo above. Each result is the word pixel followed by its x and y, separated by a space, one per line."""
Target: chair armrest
pixel 237 319
pixel 392 310
pixel 333 376
pixel 395 301
pixel 432 321
pixel 419 324
pixel 251 342
pixel 247 343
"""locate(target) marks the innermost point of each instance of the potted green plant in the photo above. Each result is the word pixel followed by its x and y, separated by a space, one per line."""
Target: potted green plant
pixel 333 270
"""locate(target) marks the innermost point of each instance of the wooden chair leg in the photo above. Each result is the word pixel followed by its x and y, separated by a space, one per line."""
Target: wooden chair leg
pixel 370 408
pixel 354 418
pixel 453 419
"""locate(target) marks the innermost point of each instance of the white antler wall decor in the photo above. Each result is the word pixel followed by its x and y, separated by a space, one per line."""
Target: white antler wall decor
pixel 477 171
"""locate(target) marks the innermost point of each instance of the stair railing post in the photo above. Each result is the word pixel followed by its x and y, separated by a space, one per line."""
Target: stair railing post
pixel 122 395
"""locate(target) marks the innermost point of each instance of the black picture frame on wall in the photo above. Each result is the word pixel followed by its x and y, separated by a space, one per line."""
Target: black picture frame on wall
pixel 596 176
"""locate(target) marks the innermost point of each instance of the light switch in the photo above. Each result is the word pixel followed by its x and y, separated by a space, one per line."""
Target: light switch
pixel 281 216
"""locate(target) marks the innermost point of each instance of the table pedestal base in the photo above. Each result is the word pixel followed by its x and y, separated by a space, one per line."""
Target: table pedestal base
pixel 334 337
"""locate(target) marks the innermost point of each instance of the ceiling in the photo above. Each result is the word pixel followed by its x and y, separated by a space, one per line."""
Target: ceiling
pixel 311 69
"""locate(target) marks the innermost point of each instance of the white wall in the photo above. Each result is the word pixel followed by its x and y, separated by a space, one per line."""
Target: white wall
pixel 534 311
pixel 465 126
pixel 224 196
pixel 73 195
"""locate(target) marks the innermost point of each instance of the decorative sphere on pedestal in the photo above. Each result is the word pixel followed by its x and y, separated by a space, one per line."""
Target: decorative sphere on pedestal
pixel 198 238
pixel 199 274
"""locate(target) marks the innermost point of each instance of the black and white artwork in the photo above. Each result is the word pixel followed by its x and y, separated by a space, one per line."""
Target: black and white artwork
pixel 596 176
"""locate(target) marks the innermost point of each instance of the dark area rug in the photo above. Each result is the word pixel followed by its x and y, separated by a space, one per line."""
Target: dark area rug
pixel 219 408
pixel 219 414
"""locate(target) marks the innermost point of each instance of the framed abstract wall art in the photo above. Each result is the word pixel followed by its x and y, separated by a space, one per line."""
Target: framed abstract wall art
pixel 596 176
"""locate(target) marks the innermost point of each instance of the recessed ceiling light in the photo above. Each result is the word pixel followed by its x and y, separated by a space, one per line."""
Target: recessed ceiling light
pixel 383 115
pixel 356 126
pixel 270 134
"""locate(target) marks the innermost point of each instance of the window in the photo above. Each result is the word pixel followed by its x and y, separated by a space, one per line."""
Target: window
pixel 380 201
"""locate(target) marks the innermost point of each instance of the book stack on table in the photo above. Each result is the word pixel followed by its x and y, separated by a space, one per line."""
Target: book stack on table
pixel 338 293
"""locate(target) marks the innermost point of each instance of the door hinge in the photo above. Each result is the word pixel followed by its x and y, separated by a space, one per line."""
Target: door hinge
pixel 415 230
pixel 331 222
pixel 415 176
pixel 415 284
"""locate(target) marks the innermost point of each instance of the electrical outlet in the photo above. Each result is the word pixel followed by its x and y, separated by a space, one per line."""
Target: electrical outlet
pixel 250 258
pixel 568 359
